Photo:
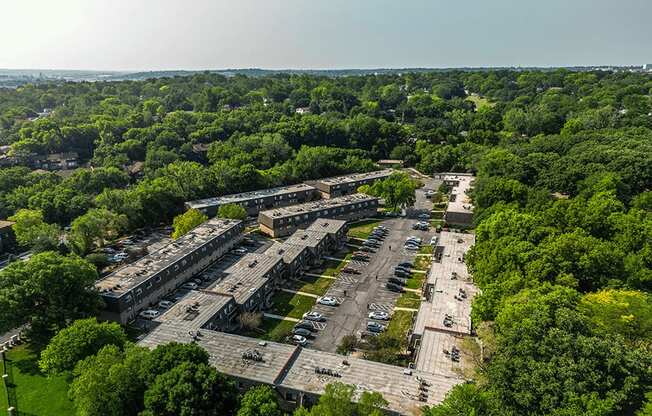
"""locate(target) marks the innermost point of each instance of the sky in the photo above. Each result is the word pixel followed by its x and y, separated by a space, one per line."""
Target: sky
pixel 321 34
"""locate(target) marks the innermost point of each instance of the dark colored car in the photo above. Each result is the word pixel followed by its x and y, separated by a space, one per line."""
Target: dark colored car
pixel 401 273
pixel 367 249
pixel 397 281
pixel 394 287
pixel 350 270
pixel 302 331
pixel 304 325
pixel 406 264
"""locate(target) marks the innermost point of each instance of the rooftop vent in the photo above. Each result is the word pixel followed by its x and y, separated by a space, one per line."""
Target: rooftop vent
pixel 327 372
pixel 252 355
pixel 253 263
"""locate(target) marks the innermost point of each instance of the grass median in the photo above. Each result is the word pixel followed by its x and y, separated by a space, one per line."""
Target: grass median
pixel 291 304
pixel 362 229
pixel 409 300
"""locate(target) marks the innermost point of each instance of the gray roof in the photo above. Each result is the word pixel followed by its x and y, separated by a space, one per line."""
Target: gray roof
pixel 246 196
pixel 195 309
pixel 319 205
pixel 307 238
pixel 355 177
pixel 246 276
pixel 131 275
pixel 327 225
pixel 289 252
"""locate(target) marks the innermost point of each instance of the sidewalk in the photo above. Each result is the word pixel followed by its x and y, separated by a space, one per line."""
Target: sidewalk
pixel 296 292
pixel 280 318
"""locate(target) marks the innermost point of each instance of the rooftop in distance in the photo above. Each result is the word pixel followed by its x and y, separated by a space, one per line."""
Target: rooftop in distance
pixel 195 309
pixel 245 196
pixel 335 180
pixel 246 276
pixel 459 199
pixel 131 275
pixel 317 205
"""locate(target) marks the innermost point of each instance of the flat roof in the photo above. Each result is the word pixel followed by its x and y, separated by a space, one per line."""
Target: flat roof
pixel 355 177
pixel 327 225
pixel 431 313
pixel 318 205
pixel 131 275
pixel 246 196
pixel 431 357
pixel 195 309
pixel 294 367
pixel 460 200
pixel 307 238
pixel 399 389
pixel 289 252
pixel 226 351
pixel 246 277
pixel 5 224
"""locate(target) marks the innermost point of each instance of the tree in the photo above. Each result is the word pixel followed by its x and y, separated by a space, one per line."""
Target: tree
pixel 32 231
pixel 260 401
pixel 187 221
pixel 109 383
pixel 83 338
pixel 94 228
pixel 48 292
pixel 337 400
pixel 462 400
pixel 190 389
pixel 165 357
pixel 232 211
pixel 398 191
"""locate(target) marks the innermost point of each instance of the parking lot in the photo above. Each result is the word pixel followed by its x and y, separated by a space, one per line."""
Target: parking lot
pixel 359 294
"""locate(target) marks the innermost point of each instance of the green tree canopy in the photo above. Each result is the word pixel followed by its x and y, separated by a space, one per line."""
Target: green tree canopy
pixel 32 231
pixel 187 221
pixel 232 211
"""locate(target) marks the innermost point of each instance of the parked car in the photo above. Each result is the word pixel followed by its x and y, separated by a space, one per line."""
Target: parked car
pixel 305 325
pixel 380 315
pixel 359 257
pixel 405 264
pixel 401 273
pixel 190 286
pixel 375 327
pixel 397 280
pixel 314 316
pixel 424 216
pixel 403 269
pixel 327 300
pixel 299 340
pixel 412 247
pixel 394 287
pixel 367 249
pixel 433 241
pixel 415 239
pixel 165 304
pixel 149 314
pixel 351 270
pixel 302 332
pixel 371 244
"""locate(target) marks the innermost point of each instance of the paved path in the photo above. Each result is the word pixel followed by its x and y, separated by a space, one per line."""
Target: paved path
pixel 281 318
pixel 419 271
pixel 353 245
pixel 407 289
pixel 398 308
pixel 423 255
pixel 336 259
pixel 296 292
pixel 320 275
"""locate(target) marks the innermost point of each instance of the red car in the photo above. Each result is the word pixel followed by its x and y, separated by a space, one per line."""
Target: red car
pixel 350 270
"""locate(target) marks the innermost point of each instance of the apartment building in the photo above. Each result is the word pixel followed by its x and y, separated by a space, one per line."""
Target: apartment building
pixel 143 283
pixel 256 201
pixel 284 221
pixel 347 184
pixel 460 208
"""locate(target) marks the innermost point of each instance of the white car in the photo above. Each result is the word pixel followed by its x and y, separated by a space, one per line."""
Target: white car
pixel 433 241
pixel 165 304
pixel 380 315
pixel 327 300
pixel 411 247
pixel 299 340
pixel 149 314
pixel 313 316
pixel 189 286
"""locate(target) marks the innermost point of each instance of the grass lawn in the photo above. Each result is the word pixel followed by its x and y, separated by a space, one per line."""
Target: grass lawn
pixel 480 101
pixel 292 305
pixel 271 330
pixel 400 324
pixel 331 268
pixel 310 284
pixel 36 394
pixel 409 300
pixel 437 215
pixel 416 280
pixel 362 229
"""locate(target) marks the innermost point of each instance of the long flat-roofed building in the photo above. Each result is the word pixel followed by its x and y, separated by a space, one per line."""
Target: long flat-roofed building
pixel 251 281
pixel 146 281
pixel 255 201
pixel 281 222
pixel 348 184
pixel 460 209
pixel 202 309
pixel 295 257
pixel 300 375
pixel 443 318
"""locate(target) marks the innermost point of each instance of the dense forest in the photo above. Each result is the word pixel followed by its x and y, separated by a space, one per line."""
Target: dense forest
pixel 563 217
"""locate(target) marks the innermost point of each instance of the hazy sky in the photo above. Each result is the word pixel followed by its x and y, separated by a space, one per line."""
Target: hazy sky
pixel 214 34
